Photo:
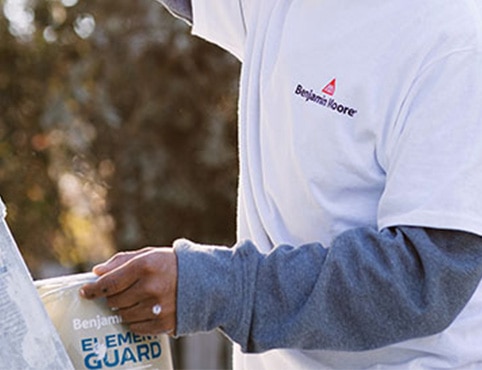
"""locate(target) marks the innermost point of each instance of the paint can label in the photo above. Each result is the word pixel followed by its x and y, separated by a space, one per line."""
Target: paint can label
pixel 93 334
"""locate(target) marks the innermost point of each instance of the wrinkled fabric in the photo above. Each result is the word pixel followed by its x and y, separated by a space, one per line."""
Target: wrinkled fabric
pixel 359 294
pixel 180 8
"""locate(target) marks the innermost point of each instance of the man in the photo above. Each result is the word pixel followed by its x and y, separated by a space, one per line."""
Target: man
pixel 360 197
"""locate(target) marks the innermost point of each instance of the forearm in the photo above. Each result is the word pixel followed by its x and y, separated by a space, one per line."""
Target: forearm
pixel 368 290
pixel 180 8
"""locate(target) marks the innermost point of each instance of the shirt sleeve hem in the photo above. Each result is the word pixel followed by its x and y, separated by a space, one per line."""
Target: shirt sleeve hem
pixel 432 219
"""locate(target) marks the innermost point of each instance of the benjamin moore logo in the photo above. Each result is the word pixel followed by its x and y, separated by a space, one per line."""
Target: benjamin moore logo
pixel 324 100
pixel 330 88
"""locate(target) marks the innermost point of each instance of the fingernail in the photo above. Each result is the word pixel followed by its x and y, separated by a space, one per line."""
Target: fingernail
pixel 85 295
pixel 98 269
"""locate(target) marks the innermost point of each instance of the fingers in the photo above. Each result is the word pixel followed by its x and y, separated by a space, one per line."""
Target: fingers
pixel 129 298
pixel 144 311
pixel 149 317
pixel 110 284
pixel 116 275
pixel 136 285
pixel 117 260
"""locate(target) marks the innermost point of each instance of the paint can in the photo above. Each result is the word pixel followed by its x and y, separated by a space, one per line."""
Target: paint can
pixel 93 334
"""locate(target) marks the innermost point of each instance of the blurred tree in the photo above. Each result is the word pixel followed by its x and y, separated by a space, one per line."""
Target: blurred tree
pixel 24 182
pixel 117 130
pixel 168 137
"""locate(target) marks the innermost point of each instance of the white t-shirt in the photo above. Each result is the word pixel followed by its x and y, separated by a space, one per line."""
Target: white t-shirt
pixel 357 113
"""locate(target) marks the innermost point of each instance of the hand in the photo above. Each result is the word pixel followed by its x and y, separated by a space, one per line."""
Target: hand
pixel 136 284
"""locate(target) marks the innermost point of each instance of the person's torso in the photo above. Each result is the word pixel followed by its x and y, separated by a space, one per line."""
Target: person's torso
pixel 323 84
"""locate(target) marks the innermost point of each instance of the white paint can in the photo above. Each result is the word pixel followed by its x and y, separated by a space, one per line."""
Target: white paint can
pixel 93 334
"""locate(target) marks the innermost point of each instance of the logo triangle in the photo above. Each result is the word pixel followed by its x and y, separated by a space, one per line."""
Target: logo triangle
pixel 330 88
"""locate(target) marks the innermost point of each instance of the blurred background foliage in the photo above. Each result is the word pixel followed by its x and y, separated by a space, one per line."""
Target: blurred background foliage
pixel 117 130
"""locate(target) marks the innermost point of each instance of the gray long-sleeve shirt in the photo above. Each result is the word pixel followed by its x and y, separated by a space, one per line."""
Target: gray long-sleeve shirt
pixel 368 290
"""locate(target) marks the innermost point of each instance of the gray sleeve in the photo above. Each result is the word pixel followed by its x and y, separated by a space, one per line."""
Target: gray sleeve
pixel 368 290
pixel 179 8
